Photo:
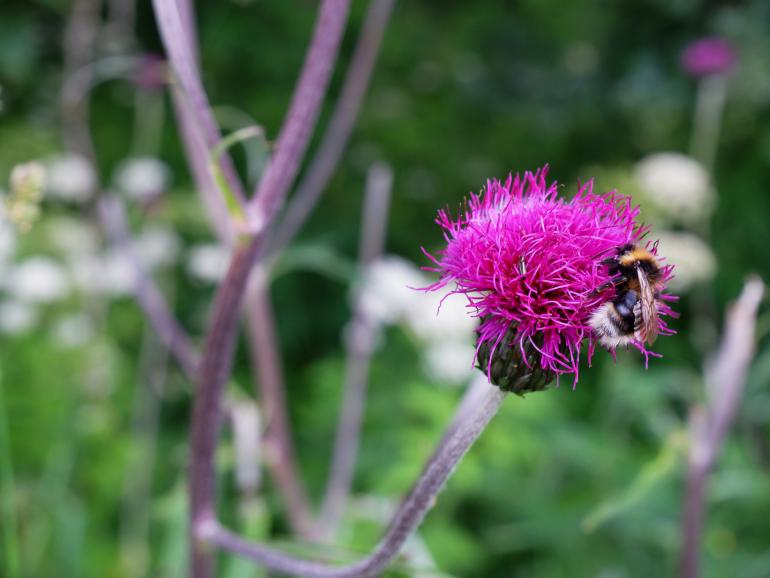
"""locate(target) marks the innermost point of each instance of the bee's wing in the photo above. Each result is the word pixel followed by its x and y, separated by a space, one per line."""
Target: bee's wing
pixel 647 317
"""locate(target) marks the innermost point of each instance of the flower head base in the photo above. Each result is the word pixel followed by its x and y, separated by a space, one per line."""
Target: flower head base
pixel 708 56
pixel 533 269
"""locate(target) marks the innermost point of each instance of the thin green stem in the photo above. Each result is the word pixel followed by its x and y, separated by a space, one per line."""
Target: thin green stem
pixel 7 495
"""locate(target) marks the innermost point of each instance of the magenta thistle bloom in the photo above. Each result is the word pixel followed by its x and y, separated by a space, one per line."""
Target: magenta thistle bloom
pixel 708 56
pixel 532 267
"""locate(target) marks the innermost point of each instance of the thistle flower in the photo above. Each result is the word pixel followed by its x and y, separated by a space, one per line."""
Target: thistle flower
pixel 708 56
pixel 531 266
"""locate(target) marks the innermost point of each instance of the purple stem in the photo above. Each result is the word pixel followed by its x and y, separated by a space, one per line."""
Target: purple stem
pixel 80 35
pixel 187 16
pixel 695 491
pixel 360 344
pixel 339 128
pixel 197 160
pixel 207 411
pixel 277 439
pixel 175 20
pixel 195 150
pixel 725 382
pixel 408 517
pixel 302 115
pixel 220 342
pixel 149 296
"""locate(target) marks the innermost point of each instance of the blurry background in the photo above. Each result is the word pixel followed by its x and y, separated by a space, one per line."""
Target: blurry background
pixel 567 483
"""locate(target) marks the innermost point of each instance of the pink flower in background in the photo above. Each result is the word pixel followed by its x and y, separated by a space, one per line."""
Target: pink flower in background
pixel 151 72
pixel 708 56
pixel 531 265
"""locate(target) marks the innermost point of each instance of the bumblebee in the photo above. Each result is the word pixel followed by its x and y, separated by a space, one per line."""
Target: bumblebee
pixel 632 314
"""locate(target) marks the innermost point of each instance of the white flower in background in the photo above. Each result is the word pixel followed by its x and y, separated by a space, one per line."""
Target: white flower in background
pixel 38 280
pixel 142 178
pixel 693 259
pixel 17 317
pixel 119 273
pixel 157 246
pixel 70 178
pixel 73 330
pixel 247 433
pixel 440 316
pixel 444 324
pixel 208 262
pixel 109 274
pixel 390 293
pixel 71 236
pixel 449 360
pixel 386 293
pixel 86 271
pixel 677 185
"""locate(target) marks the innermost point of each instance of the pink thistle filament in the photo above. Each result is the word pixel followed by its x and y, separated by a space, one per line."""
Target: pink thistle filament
pixel 531 265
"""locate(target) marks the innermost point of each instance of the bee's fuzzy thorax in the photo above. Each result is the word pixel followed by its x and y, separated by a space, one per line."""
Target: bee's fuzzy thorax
pixel 635 254
pixel 638 256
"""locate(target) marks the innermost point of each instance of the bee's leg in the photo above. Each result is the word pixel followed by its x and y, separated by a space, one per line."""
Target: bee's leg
pixel 615 282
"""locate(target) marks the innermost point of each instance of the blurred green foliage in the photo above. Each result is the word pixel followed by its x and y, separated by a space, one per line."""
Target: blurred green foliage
pixel 566 483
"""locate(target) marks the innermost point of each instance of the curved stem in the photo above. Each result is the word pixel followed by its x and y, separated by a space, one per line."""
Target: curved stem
pixel 174 25
pixel 303 112
pixel 207 412
pixel 360 345
pixel 148 295
pixel 410 514
pixel 220 340
pixel 725 381
pixel 339 128
pixel 277 439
